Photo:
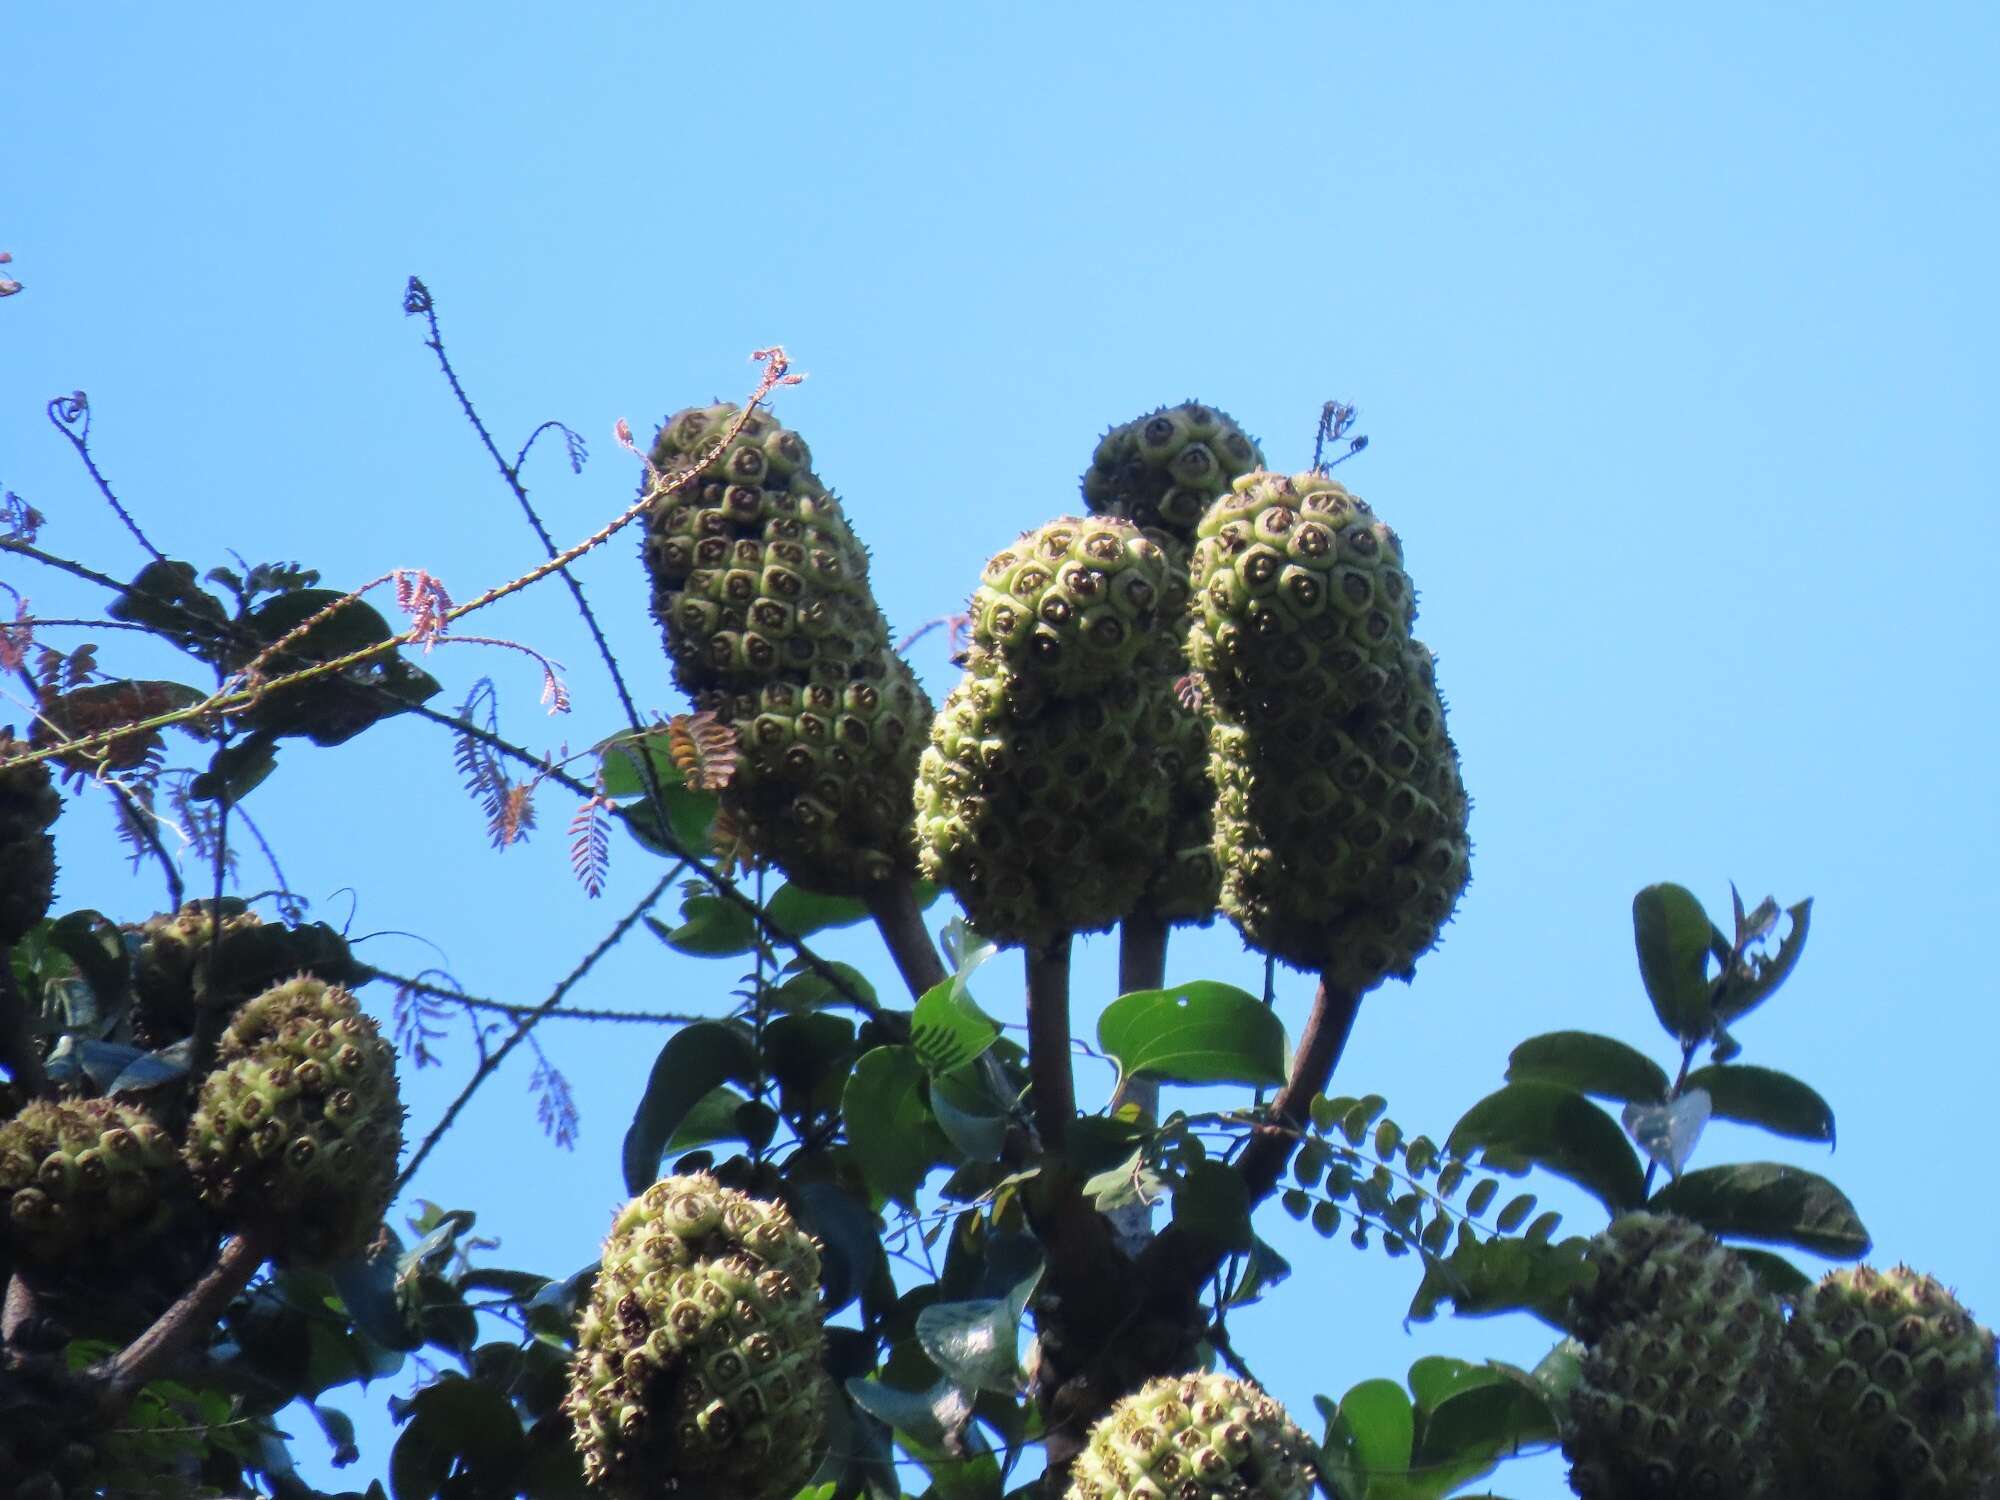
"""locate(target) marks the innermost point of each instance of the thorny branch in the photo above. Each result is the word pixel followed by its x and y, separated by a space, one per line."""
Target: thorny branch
pixel 502 1007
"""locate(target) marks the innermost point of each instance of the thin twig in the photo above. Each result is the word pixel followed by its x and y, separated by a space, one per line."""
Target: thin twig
pixel 502 1007
pixel 64 411
pixel 498 1055
pixel 140 819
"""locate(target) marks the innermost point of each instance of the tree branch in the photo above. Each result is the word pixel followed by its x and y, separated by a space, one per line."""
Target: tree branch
pixel 177 1329
pixel 1142 965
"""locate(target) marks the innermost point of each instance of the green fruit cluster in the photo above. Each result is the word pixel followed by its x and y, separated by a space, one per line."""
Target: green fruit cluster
pixel 1340 815
pixel 297 1130
pixel 86 1179
pixel 1162 472
pixel 1675 1395
pixel 1889 1392
pixel 699 1355
pixel 762 590
pixel 175 974
pixel 1042 798
pixel 1195 1437
pixel 28 806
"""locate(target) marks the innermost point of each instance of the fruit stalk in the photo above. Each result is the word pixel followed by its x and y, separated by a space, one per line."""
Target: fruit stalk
pixel 1048 1038
pixel 893 905
pixel 121 1377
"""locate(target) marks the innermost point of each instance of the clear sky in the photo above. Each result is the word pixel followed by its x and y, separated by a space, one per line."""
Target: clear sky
pixel 1673 331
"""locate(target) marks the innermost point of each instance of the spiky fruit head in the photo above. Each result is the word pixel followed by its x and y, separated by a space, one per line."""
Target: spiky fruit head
pixel 1195 1437
pixel 188 960
pixel 1165 469
pixel 298 1128
pixel 29 804
pixel 1659 1265
pixel 1041 814
pixel 825 773
pixel 699 1355
pixel 1889 1391
pixel 1664 1409
pixel 1340 816
pixel 1073 602
pixel 756 574
pixel 86 1178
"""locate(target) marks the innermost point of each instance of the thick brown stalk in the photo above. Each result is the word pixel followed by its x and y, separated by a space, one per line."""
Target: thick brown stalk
pixel 893 905
pixel 1048 1039
pixel 17 1038
pixel 1142 965
pixel 181 1326
pixel 1174 1257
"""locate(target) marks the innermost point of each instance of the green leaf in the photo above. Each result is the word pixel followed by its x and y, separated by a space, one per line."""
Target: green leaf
pixel 710 927
pixel 621 768
pixel 1778 1276
pixel 807 988
pixel 165 598
pixel 1765 1097
pixel 948 1030
pixel 802 912
pixel 235 770
pixel 332 709
pixel 1204 1032
pixel 889 1124
pixel 1742 995
pixel 1212 1203
pixel 849 1234
pixel 695 1060
pixel 1469 1432
pixel 1263 1268
pixel 690 816
pixel 929 1419
pixel 972 1120
pixel 459 1424
pixel 976 1343
pixel 808 1054
pixel 1482 1277
pixel 1674 938
pixel 713 1118
pixel 1770 1202
pixel 1590 1064
pixel 1373 1433
pixel 1559 1129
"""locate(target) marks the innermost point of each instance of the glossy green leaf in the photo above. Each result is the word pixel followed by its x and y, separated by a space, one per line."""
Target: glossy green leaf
pixel 889 1124
pixel 850 1236
pixel 1675 938
pixel 806 988
pixel 1590 1064
pixel 1770 1202
pixel 690 816
pixel 807 1054
pixel 1373 1433
pixel 976 1343
pixel 802 912
pixel 457 1426
pixel 713 1118
pixel 696 1060
pixel 1765 1097
pixel 948 1030
pixel 1204 1032
pixel 972 1119
pixel 1469 1432
pixel 1778 1276
pixel 1560 1130
pixel 1740 995
pixel 1212 1203
pixel 929 1418
pixel 710 927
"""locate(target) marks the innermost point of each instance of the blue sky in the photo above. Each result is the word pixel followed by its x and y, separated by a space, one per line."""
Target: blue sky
pixel 1673 332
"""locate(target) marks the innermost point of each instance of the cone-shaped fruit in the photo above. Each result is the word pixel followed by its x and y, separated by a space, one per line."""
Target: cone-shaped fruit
pixel 1166 468
pixel 298 1128
pixel 86 1179
pixel 755 571
pixel 1657 1265
pixel 1074 602
pixel 28 806
pixel 1041 814
pixel 699 1356
pixel 1667 1409
pixel 1195 1437
pixel 1340 817
pixel 1889 1392
pixel 174 975
pixel 825 773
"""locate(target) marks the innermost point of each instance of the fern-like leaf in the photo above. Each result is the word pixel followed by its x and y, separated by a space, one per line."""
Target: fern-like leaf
pixel 590 845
